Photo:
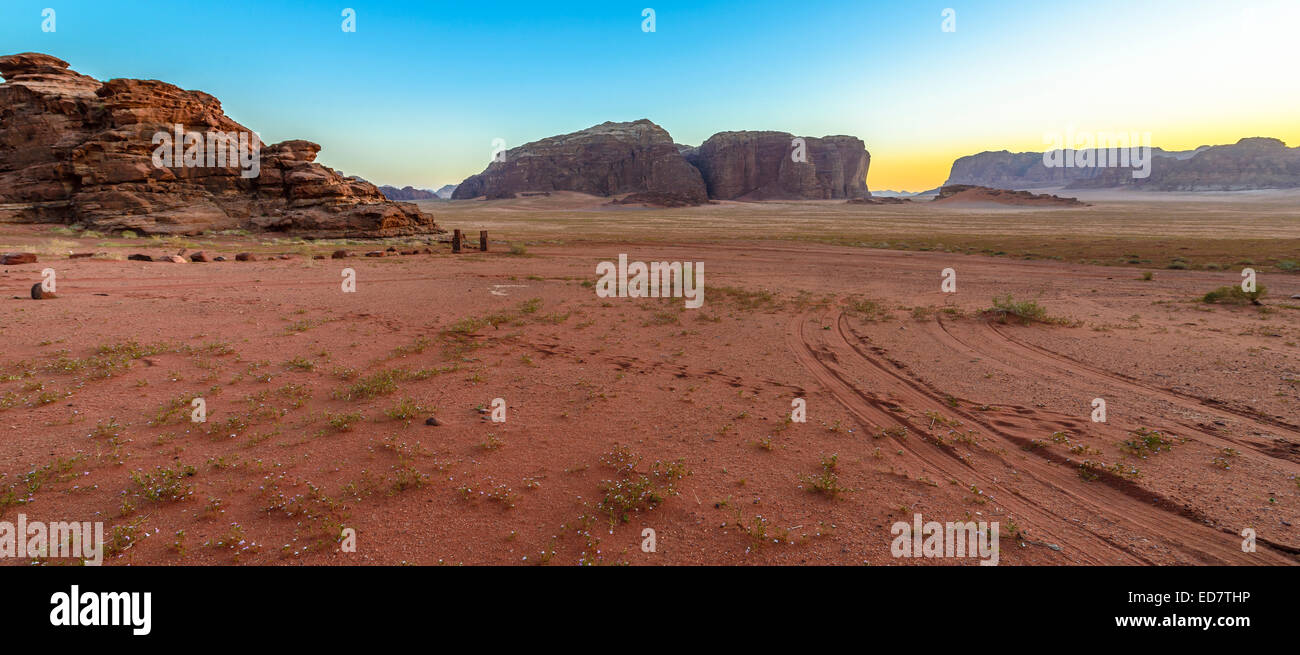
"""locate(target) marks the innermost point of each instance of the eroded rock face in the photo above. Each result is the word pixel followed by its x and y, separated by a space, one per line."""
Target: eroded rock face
pixel 762 166
pixel 1251 163
pixel 604 160
pixel 75 150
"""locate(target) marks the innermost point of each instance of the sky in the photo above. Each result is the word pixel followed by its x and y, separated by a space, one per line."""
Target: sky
pixel 419 91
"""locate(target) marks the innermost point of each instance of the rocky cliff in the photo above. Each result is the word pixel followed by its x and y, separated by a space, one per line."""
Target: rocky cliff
pixel 604 160
pixel 1252 163
pixel 75 150
pixel 763 166
pixel 640 157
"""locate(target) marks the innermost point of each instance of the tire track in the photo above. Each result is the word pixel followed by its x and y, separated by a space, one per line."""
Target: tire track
pixel 874 410
pixel 1173 395
pixel 1121 503
pixel 1070 368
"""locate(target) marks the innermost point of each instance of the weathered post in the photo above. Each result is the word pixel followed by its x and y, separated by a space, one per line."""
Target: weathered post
pixel 455 241
pixel 482 240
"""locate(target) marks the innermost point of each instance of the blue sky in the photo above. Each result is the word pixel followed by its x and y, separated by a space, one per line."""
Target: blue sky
pixel 417 94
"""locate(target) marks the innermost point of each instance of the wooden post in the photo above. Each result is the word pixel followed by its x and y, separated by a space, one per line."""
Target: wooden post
pixel 455 241
pixel 482 240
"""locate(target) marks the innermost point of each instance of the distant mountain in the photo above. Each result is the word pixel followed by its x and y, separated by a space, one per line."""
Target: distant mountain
pixel 407 193
pixel 1251 163
pixel 640 157
pixel 894 194
pixel 604 160
pixel 446 191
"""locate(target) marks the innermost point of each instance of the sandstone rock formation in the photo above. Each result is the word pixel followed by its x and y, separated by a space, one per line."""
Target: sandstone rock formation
pixel 641 158
pixel 763 166
pixel 406 193
pixel 604 160
pixel 965 194
pixel 74 150
pixel 446 191
pixel 1251 163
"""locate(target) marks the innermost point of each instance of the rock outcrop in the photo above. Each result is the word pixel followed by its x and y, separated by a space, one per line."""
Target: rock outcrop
pixel 446 191
pixel 407 193
pixel 763 166
pixel 1251 163
pixel 75 150
pixel 605 160
pixel 965 194
pixel 641 158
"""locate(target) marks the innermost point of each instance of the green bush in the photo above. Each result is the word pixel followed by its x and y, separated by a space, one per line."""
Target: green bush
pixel 1233 295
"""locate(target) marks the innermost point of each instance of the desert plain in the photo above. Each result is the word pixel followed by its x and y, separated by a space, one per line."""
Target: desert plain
pixel 627 414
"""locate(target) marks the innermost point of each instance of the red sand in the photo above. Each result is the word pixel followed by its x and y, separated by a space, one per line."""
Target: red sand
pixel 582 375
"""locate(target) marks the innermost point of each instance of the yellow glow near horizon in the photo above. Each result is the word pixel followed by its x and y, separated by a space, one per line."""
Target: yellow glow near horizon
pixel 905 169
pixel 1204 74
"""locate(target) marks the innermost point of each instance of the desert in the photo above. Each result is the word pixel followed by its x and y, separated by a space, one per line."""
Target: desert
pixel 623 414
pixel 662 324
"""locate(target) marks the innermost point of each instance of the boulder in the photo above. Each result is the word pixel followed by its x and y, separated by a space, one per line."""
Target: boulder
pixel 14 258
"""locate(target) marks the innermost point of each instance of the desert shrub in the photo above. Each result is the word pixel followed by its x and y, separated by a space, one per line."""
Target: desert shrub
pixel 1233 295
pixel 1025 311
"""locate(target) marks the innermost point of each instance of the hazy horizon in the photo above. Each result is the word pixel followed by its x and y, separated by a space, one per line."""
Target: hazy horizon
pixel 419 92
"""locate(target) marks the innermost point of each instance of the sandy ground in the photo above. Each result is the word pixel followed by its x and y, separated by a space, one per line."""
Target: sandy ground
pixel 316 403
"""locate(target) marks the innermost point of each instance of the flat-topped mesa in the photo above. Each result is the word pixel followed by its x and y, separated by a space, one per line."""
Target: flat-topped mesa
pixel 149 156
pixel 768 165
pixel 603 160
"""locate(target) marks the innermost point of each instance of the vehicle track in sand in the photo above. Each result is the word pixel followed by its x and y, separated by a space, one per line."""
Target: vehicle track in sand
pixel 1098 521
pixel 989 341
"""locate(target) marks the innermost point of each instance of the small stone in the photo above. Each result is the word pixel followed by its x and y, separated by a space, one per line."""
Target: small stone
pixel 245 257
pixel 375 253
pixel 11 258
pixel 339 254
pixel 40 294
pixel 175 259
pixel 218 258
pixel 199 256
pixel 80 255
pixel 432 420
pixel 140 258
